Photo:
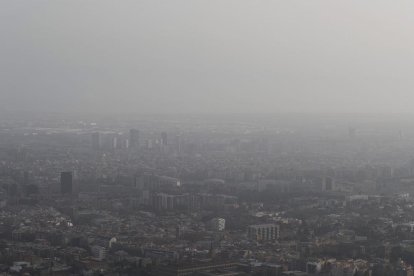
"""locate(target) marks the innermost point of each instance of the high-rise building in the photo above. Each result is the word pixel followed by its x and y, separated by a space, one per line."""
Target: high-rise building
pixel 164 138
pixel 114 142
pixel 134 138
pixel 96 140
pixel 149 144
pixel 26 178
pixel 263 232
pixel 328 184
pixel 178 231
pixel 66 182
pixel 217 224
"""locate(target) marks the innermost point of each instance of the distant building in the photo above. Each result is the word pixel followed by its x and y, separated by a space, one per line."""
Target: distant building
pixel 162 201
pixel 26 178
pixel 96 140
pixel 134 138
pixel 217 224
pixel 328 184
pixel 263 232
pixel 114 142
pixel 178 232
pixel 98 252
pixel 66 183
pixel 155 182
pixel 164 139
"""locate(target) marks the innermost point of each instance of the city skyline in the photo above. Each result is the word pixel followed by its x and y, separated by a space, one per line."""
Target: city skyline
pixel 206 138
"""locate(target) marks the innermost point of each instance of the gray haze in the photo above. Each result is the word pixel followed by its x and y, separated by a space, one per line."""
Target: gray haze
pixel 207 56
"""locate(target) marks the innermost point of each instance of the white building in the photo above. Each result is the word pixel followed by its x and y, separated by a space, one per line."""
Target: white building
pixel 217 224
pixel 263 232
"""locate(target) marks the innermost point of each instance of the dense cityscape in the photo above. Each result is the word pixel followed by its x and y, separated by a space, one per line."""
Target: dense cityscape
pixel 264 195
pixel 206 138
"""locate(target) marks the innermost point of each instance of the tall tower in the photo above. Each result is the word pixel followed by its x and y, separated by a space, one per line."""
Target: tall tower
pixel 164 138
pixel 134 138
pixel 114 142
pixel 96 140
pixel 66 182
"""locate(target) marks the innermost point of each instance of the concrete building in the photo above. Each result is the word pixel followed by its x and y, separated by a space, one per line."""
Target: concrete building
pixel 134 138
pixel 66 185
pixel 263 232
pixel 98 252
pixel 96 140
pixel 217 224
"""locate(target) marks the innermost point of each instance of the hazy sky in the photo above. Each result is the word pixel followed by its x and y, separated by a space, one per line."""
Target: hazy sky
pixel 207 56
